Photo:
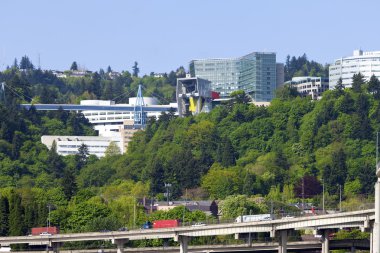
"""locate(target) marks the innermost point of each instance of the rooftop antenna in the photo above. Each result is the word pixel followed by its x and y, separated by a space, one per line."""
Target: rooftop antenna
pixel 139 113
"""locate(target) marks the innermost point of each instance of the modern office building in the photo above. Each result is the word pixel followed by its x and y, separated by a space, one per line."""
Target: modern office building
pixel 254 73
pixel 367 63
pixel 310 86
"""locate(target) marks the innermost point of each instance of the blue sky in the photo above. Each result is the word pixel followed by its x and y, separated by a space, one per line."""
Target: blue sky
pixel 162 35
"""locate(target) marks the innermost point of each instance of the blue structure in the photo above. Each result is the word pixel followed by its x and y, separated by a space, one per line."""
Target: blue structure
pixel 139 113
pixel 254 73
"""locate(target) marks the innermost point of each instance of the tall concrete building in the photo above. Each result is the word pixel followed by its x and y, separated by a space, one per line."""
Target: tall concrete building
pixel 367 63
pixel 254 73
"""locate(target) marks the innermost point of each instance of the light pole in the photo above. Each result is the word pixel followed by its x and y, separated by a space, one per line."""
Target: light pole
pixel 340 198
pixel 323 195
pixel 48 219
pixel 167 186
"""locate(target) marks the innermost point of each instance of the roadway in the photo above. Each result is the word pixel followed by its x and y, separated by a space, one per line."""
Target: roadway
pixel 321 223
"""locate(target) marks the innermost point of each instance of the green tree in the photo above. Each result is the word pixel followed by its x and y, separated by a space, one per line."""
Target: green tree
pixel 4 214
pixel 339 87
pixel 69 184
pixel 236 205
pixel 74 66
pixel 112 149
pixel 55 162
pixel 82 156
pixel 374 86
pixel 357 82
pixel 15 215
pixel 25 63
pixel 135 69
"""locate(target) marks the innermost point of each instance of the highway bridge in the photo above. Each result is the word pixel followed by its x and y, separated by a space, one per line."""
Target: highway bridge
pixel 280 228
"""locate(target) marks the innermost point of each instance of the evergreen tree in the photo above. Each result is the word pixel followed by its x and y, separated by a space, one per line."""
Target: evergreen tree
pixel 55 162
pixel 15 215
pixel 109 70
pixel 25 63
pixel 339 87
pixel 69 182
pixel 16 144
pixel 15 64
pixel 74 66
pixel 4 216
pixel 357 82
pixel 228 153
pixel 82 156
pixel 374 86
pixel 135 69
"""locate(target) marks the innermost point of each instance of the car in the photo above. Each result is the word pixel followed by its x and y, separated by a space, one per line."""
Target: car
pixel 45 233
pixel 123 229
pixel 288 217
pixel 198 224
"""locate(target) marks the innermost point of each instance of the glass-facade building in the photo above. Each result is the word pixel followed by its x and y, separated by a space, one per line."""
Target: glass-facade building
pixel 254 73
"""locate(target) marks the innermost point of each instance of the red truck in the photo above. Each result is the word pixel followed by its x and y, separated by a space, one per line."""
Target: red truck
pixel 45 231
pixel 166 223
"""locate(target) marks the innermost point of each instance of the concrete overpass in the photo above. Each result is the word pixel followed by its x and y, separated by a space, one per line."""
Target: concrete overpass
pixel 277 228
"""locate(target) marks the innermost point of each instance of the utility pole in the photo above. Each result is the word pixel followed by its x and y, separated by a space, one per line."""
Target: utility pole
pixel 323 195
pixel 340 198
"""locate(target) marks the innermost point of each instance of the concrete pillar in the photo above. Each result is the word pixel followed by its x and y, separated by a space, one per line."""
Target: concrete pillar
pixel 353 249
pixel 119 244
pixel 183 244
pixel 56 247
pixel 325 241
pixel 376 226
pixel 283 240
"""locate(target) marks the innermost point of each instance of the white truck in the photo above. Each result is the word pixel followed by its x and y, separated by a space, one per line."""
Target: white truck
pixel 256 217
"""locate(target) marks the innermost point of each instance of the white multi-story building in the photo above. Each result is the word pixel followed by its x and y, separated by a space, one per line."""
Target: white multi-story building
pixel 310 86
pixel 109 122
pixel 367 63
pixel 69 145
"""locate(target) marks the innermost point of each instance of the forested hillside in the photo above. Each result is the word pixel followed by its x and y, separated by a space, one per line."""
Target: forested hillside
pixel 237 149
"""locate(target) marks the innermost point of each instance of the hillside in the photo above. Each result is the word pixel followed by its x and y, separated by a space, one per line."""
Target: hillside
pixel 237 149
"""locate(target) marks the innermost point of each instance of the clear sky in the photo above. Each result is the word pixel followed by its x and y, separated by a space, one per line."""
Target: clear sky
pixel 162 35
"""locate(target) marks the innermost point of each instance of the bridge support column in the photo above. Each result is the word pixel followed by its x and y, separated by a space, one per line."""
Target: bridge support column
pixel 353 249
pixel 283 240
pixel 375 245
pixel 56 246
pixel 183 244
pixel 325 241
pixel 119 244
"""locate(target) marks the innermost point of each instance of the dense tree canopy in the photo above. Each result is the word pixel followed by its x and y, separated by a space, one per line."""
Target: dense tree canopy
pixel 238 153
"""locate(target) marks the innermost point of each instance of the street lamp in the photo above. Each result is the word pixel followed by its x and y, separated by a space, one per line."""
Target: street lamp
pixel 167 186
pixel 48 219
pixel 323 195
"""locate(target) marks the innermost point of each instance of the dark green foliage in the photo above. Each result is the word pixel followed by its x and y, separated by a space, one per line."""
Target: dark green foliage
pixel 357 82
pixel 15 215
pixel 69 184
pixel 339 87
pixel 374 87
pixel 301 66
pixel 4 214
pixel 25 63
pixel 135 69
pixel 55 162
pixel 74 66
